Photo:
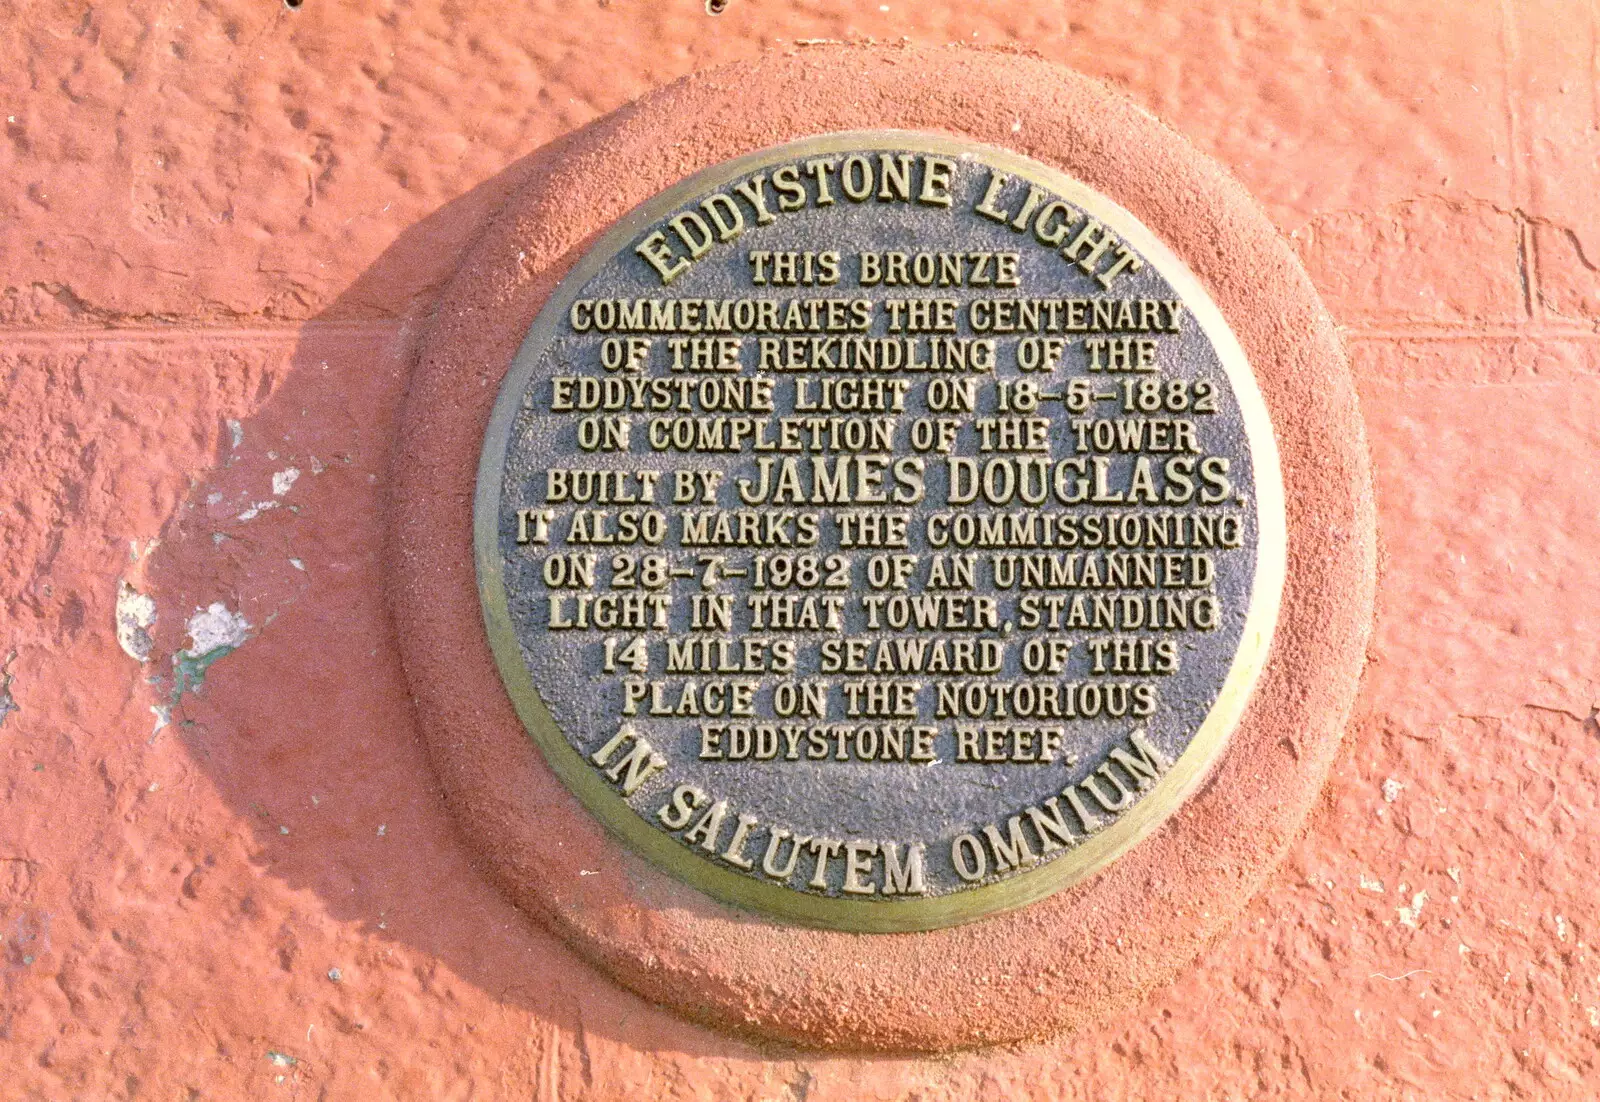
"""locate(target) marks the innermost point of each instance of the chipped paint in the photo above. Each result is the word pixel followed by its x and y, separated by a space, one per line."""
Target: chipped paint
pixel 214 633
pixel 216 627
pixel 8 703
pixel 1411 916
pixel 283 480
pixel 136 614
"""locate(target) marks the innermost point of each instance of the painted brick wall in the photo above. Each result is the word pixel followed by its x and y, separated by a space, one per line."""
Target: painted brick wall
pixel 225 873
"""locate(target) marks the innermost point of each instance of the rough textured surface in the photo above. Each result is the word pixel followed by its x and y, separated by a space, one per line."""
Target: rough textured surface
pixel 1063 962
pixel 173 943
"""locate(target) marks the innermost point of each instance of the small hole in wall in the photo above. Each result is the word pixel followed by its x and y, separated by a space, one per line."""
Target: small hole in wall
pixel 713 7
pixel 293 4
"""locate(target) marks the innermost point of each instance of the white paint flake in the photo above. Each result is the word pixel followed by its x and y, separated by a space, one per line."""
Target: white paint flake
pixel 1391 790
pixel 257 509
pixel 283 480
pixel 1368 884
pixel 215 627
pixel 236 430
pixel 136 613
pixel 1409 916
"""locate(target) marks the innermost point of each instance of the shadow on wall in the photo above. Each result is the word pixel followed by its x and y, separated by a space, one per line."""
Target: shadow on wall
pixel 285 684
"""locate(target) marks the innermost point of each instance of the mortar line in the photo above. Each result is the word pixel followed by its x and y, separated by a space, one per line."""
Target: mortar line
pixel 1518 152
pixel 1502 331
pixel 269 333
pixel 1594 64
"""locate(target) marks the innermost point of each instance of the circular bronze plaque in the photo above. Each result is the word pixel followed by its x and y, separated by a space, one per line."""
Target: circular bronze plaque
pixel 880 530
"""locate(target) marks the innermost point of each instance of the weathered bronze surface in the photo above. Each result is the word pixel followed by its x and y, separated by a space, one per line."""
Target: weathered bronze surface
pixel 880 531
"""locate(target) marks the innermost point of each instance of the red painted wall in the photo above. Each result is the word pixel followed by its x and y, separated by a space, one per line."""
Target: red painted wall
pixel 218 223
